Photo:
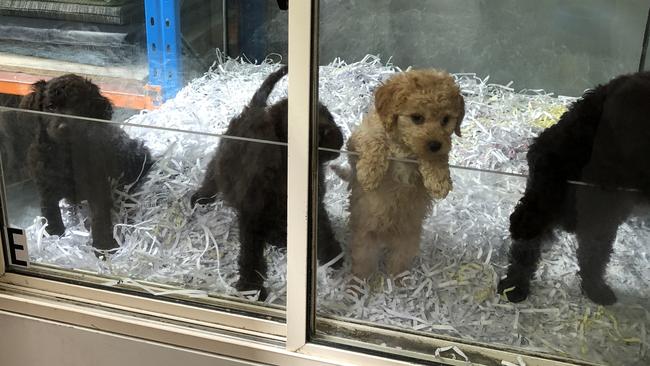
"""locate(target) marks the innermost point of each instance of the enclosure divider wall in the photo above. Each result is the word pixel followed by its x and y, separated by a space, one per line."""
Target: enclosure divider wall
pixel 300 41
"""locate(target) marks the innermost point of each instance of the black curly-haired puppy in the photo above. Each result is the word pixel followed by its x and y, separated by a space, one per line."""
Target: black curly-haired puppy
pixel 252 178
pixel 77 159
pixel 603 142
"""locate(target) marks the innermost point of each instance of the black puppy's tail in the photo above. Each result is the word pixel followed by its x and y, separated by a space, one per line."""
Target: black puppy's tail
pixel 262 94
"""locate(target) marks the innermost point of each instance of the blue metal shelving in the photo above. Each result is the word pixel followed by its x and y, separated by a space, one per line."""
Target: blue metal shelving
pixel 164 40
pixel 164 46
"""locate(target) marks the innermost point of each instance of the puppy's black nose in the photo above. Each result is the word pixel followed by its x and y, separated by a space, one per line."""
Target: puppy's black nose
pixel 434 146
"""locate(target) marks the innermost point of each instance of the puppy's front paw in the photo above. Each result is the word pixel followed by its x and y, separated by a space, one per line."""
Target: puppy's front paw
pixel 55 229
pixel 438 187
pixel 105 244
pixel 371 169
pixel 514 288
pixel 243 285
pixel 436 178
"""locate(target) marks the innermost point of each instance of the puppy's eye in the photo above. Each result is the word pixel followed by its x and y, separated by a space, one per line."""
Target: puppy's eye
pixel 445 120
pixel 50 107
pixel 418 119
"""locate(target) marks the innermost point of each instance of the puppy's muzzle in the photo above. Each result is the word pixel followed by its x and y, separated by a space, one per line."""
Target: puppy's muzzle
pixel 434 146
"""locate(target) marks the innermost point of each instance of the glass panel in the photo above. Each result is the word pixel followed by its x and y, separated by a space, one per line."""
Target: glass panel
pixel 184 194
pixel 516 257
pixel 114 201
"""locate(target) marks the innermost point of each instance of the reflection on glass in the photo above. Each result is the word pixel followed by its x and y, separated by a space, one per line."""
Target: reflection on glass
pixel 143 220
pixel 78 162
pixel 450 288
pixel 115 198
pixel 540 275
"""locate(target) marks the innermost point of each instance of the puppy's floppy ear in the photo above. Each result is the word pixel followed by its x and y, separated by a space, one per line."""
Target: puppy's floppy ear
pixel 34 100
pixel 461 116
pixel 386 98
pixel 102 107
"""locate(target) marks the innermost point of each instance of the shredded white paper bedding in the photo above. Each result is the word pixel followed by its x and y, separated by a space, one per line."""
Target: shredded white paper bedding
pixel 451 287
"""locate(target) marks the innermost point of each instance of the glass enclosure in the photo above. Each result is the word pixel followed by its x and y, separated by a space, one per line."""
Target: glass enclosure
pixel 138 170
pixel 465 264
pixel 463 189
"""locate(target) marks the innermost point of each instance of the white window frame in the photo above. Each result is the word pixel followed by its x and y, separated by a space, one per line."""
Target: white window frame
pixel 222 332
pixel 300 84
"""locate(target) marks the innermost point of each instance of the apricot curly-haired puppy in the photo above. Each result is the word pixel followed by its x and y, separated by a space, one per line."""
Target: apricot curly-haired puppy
pixel 415 114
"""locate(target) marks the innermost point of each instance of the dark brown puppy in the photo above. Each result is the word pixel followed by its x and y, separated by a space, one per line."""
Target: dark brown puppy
pixel 252 177
pixel 77 159
pixel 603 141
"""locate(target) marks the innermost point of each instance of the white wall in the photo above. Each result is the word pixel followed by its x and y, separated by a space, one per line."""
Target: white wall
pixel 28 341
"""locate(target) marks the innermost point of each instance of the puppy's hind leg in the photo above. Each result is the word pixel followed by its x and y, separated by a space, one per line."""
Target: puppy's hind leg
pixel 524 256
pixel 366 252
pixel 252 264
pixel 100 204
pixel 599 215
pixel 402 249
pixel 51 211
